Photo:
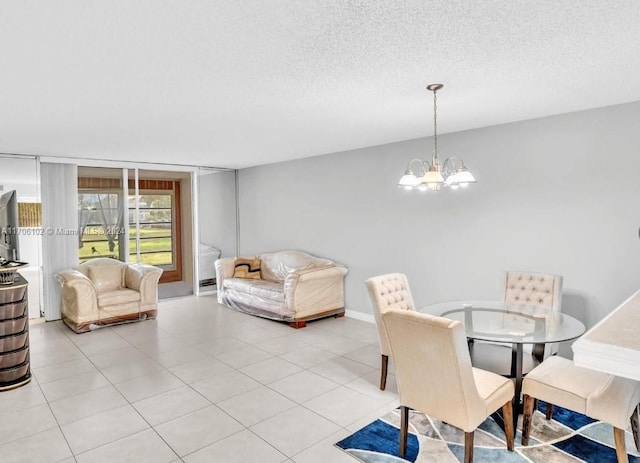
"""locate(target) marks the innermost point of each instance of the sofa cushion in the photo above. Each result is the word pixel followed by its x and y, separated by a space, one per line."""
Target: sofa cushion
pixel 117 297
pixel 247 268
pixel 106 277
pixel 277 265
pixel 260 288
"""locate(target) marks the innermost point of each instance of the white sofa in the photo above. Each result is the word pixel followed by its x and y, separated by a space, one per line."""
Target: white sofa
pixel 103 291
pixel 293 286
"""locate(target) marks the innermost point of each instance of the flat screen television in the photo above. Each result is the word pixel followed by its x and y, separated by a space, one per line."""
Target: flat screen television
pixel 9 248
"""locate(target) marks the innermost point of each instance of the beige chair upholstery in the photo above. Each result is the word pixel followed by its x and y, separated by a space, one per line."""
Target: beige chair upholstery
pixel 389 291
pixel 537 289
pixel 540 290
pixel 604 397
pixel 435 376
pixel 103 291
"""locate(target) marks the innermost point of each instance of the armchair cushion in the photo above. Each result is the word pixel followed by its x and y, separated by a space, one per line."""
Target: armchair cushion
pixel 106 277
pixel 247 268
pixel 117 297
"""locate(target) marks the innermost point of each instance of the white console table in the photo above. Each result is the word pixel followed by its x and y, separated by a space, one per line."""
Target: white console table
pixel 613 345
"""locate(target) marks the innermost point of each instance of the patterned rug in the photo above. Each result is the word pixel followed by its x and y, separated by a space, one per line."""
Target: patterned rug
pixel 568 438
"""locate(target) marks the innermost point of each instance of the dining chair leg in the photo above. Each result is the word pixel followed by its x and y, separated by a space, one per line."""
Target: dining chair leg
pixel 468 447
pixel 526 418
pixel 549 411
pixel 507 414
pixel 621 448
pixel 383 371
pixel 634 426
pixel 404 429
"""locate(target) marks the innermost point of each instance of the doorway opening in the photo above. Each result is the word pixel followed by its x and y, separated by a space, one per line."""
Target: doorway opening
pixel 156 208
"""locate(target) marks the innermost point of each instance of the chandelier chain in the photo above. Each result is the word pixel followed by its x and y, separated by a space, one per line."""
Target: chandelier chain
pixel 435 124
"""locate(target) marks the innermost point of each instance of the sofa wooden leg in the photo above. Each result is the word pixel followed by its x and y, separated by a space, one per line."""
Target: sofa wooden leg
pixel 340 315
pixel 297 325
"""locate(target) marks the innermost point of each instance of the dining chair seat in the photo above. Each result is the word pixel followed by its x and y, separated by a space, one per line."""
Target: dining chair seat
pixel 611 399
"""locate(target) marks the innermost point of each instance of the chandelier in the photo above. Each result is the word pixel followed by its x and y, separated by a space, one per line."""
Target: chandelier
pixel 432 175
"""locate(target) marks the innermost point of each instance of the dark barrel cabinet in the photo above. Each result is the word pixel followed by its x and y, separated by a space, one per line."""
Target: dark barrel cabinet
pixel 14 334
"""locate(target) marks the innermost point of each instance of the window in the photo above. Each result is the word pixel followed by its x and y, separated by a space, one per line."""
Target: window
pixel 157 229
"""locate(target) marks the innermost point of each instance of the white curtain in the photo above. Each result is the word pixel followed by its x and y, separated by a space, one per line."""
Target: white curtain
pixel 59 187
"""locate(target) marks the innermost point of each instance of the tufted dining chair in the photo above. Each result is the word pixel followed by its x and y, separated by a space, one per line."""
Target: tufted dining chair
pixel 543 291
pixel 611 399
pixel 435 377
pixel 388 291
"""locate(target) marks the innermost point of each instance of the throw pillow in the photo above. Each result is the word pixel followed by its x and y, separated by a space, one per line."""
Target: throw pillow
pixel 247 268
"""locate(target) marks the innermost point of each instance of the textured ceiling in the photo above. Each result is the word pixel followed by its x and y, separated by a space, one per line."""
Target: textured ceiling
pixel 239 83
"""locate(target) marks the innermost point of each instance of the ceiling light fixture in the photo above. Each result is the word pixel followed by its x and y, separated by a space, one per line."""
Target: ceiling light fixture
pixel 432 175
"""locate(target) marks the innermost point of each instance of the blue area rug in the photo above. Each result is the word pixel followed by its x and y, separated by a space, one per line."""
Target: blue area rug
pixel 568 438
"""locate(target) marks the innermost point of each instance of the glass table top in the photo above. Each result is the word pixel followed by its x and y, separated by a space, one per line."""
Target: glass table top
pixel 512 323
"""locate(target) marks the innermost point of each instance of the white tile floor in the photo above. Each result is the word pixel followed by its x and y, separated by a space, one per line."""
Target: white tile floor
pixel 202 383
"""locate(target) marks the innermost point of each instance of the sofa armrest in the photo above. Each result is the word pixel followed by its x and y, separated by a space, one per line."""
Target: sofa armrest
pixel 79 297
pixel 317 288
pixel 224 269
pixel 143 278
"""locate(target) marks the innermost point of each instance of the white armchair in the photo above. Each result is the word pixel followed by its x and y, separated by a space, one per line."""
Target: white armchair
pixel 104 291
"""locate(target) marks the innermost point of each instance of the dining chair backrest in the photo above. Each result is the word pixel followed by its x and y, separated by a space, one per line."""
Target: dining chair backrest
pixel 433 367
pixel 539 290
pixel 536 289
pixel 388 291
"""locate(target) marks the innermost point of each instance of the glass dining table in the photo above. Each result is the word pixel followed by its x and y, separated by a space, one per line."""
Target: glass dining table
pixel 514 324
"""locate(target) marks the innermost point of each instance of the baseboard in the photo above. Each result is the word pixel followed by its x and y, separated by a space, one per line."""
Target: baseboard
pixel 365 317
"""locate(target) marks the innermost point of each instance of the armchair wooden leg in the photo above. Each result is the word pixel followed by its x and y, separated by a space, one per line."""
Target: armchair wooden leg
pixel 634 427
pixel 621 448
pixel 507 414
pixel 404 430
pixel 383 371
pixel 526 418
pixel 468 447
pixel 549 411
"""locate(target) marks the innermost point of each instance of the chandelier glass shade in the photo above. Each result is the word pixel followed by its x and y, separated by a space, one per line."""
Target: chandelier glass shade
pixel 432 175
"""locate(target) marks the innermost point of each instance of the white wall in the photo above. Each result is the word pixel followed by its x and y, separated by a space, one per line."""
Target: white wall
pixel 217 210
pixel 21 174
pixel 559 195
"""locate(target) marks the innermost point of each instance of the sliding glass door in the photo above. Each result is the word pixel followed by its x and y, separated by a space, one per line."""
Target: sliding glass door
pixel 101 214
pixel 155 222
pixel 133 215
